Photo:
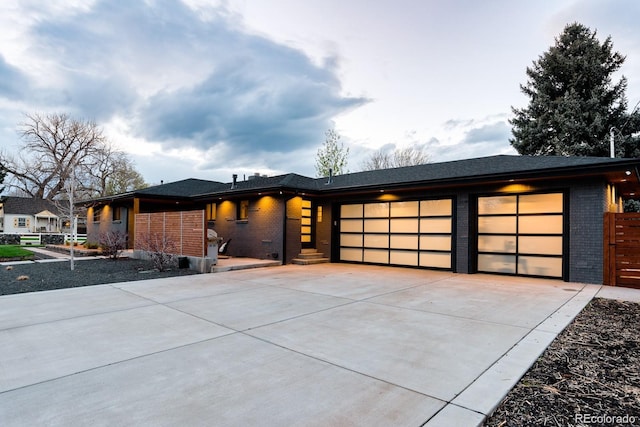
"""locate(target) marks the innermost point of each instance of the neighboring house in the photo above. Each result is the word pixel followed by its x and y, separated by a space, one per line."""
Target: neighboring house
pixel 28 215
pixel 518 215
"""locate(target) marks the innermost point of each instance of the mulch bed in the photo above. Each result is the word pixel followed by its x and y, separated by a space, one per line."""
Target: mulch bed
pixel 32 277
pixel 590 375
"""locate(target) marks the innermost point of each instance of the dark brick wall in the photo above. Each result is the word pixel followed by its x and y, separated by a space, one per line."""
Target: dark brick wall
pixel 260 235
pixel 587 204
pixel 462 233
pixel 323 229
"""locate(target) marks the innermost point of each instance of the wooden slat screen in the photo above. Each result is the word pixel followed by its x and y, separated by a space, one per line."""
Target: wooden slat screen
pixel 622 249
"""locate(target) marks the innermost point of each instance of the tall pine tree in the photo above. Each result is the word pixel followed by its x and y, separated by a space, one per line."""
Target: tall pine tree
pixel 574 102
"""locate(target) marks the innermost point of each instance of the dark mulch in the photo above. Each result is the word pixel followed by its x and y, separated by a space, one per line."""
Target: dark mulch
pixel 58 275
pixel 590 375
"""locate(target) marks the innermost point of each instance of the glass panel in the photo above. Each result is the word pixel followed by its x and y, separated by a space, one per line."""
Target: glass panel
pixel 497 224
pixel 351 225
pixel 540 224
pixel 540 266
pixel 540 203
pixel 377 256
pixel 349 254
pixel 435 259
pixel 376 210
pixel 376 240
pixel 435 207
pixel 376 225
pixel 497 263
pixel 547 245
pixel 305 238
pixel 505 244
pixel 306 212
pixel 305 221
pixel 435 225
pixel 404 208
pixel 404 258
pixel 351 211
pixel 306 204
pixel 305 230
pixel 435 243
pixel 404 242
pixel 497 205
pixel 351 240
pixel 404 225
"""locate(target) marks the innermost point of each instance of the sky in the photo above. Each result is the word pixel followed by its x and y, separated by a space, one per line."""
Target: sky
pixel 206 89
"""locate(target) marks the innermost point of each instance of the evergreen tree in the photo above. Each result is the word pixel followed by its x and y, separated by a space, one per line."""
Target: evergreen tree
pixel 574 103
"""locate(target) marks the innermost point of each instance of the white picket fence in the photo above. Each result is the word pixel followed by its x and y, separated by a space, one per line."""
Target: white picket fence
pixel 27 239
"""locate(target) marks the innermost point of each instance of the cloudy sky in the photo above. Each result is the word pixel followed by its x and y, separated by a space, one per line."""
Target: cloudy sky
pixel 206 89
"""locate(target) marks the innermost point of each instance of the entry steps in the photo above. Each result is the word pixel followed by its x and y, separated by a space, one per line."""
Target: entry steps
pixel 309 256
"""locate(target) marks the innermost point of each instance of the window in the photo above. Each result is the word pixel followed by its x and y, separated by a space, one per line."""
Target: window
pixel 117 214
pixel 96 214
pixel 243 210
pixel 210 212
pixel 22 222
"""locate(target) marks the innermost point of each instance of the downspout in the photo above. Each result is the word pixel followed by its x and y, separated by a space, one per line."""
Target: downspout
pixel 284 230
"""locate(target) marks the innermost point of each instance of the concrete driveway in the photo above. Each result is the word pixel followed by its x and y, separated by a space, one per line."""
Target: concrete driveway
pixel 330 344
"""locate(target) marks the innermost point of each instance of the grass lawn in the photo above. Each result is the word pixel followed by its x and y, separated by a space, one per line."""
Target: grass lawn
pixel 14 251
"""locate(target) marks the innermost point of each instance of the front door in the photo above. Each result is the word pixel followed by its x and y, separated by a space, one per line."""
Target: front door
pixel 307 225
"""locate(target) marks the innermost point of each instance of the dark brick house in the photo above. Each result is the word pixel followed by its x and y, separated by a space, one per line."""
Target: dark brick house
pixel 520 215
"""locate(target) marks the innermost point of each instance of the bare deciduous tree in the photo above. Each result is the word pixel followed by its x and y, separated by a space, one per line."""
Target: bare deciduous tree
pixel 52 145
pixel 160 248
pixel 384 159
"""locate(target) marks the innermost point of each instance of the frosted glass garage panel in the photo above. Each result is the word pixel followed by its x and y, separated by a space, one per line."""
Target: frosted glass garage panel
pixel 540 224
pixel 497 224
pixel 404 242
pixel 351 211
pixel 402 225
pixel 376 210
pixel 435 243
pixel 497 205
pixel 540 266
pixel 376 225
pixel 351 240
pixel 350 254
pixel 435 225
pixel 435 207
pixel 435 260
pixel 497 244
pixel 351 225
pixel 541 203
pixel 376 256
pixel 405 209
pixel 497 263
pixel 403 258
pixel 544 245
pixel 376 240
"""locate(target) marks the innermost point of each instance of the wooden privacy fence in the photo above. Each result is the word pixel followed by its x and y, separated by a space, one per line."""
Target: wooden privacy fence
pixel 622 249
pixel 186 230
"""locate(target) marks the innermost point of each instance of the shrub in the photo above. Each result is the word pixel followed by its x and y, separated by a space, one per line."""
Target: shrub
pixel 161 249
pixel 113 243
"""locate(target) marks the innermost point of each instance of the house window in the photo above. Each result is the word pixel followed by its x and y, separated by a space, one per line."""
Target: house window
pixel 96 214
pixel 319 214
pixel 117 214
pixel 210 212
pixel 243 210
pixel 22 222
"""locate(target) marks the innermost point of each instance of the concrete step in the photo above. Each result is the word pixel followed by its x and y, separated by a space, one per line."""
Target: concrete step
pixel 310 255
pixel 309 250
pixel 309 261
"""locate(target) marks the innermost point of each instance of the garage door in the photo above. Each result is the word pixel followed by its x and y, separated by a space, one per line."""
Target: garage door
pixel 410 233
pixel 521 234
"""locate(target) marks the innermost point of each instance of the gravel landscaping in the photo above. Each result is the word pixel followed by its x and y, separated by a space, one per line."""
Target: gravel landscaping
pixel 590 374
pixel 32 277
